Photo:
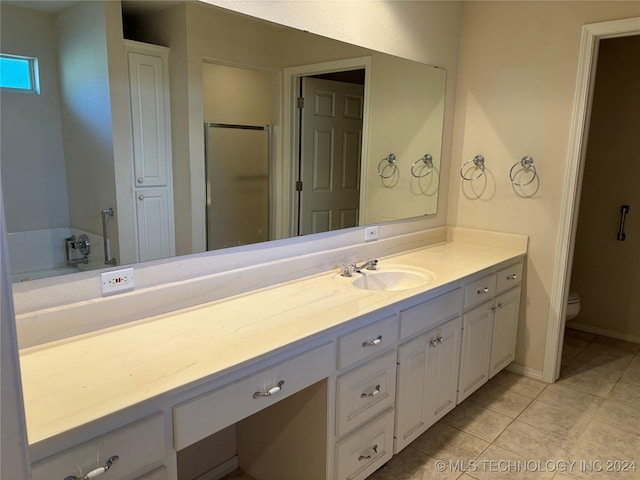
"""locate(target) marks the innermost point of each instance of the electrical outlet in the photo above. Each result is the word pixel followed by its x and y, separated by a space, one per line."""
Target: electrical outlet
pixel 117 281
pixel 371 233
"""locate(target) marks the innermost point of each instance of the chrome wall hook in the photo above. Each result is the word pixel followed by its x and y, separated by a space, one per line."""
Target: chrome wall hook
pixel 478 163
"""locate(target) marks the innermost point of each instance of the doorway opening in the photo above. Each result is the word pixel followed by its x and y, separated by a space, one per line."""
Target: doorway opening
pixel 607 246
pixel 317 173
pixel 591 37
pixel 329 139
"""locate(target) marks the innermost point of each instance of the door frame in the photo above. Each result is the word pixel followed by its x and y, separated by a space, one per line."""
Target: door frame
pixel 587 64
pixel 286 224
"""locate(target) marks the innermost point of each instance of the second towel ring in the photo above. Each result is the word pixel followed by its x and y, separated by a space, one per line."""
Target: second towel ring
pixel 391 162
pixel 478 162
pixel 527 164
pixel 427 161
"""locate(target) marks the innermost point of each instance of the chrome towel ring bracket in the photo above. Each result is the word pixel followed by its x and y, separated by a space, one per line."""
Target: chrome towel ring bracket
pixel 526 163
pixel 427 164
pixel 391 163
pixel 478 164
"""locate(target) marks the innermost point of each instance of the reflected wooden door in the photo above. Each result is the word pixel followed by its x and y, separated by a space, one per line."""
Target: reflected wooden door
pixel 331 150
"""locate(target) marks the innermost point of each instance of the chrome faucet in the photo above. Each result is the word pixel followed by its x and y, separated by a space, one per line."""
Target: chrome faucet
pixel 348 270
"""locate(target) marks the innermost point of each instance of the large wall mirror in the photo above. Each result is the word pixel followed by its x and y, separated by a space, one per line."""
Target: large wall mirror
pixel 125 152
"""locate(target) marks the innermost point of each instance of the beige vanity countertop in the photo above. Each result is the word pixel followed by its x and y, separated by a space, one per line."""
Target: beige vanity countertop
pixel 70 383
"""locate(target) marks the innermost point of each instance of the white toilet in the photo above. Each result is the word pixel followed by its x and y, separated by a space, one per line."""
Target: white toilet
pixel 573 305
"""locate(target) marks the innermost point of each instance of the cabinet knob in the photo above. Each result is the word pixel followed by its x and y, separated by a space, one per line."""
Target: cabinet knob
pixel 372 343
pixel 139 179
pixel 140 197
pixel 96 471
pixel 375 392
pixel 513 276
pixel 272 391
pixel 483 291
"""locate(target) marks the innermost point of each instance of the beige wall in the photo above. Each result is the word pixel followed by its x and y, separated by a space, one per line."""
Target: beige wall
pixel 605 270
pixel 517 74
pixel 31 151
pixel 86 114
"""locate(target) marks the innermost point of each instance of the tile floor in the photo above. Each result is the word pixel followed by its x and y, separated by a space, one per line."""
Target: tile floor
pixel 515 427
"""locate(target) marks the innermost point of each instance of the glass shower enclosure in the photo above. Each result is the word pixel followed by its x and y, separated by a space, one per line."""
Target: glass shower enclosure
pixel 237 165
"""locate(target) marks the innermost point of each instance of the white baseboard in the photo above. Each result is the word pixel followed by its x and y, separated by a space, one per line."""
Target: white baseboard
pixel 603 331
pixel 221 470
pixel 526 371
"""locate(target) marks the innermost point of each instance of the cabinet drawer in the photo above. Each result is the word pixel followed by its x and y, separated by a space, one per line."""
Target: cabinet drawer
pixel 365 450
pixel 509 277
pixel 367 341
pixel 479 291
pixel 198 418
pixel 137 446
pixel 364 392
pixel 431 313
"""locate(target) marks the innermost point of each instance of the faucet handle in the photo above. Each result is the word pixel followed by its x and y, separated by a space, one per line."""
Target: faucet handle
pixel 373 264
pixel 346 270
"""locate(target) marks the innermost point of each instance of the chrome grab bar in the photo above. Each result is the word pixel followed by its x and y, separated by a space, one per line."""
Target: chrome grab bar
pixel 107 247
pixel 624 210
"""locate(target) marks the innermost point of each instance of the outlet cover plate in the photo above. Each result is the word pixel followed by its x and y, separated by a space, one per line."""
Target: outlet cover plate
pixel 117 281
pixel 371 233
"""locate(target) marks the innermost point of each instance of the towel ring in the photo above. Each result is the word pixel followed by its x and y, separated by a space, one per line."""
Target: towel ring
pixel 427 160
pixel 478 162
pixel 391 162
pixel 527 164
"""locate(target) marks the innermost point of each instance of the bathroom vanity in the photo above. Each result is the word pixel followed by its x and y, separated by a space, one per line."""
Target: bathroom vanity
pixel 319 378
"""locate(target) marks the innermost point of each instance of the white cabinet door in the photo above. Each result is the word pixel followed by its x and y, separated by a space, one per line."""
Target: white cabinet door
pixel 151 148
pixel 505 330
pixel 476 349
pixel 149 119
pixel 427 381
pixel 154 222
pixel 443 364
pixel 411 391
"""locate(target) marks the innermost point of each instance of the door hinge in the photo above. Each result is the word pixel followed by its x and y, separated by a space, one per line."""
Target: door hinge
pixel 299 186
pixel 300 102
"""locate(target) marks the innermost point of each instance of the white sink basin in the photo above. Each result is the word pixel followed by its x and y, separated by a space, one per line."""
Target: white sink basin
pixel 392 278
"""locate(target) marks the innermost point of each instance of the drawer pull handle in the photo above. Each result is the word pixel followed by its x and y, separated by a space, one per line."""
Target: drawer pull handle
pixel 483 291
pixel 373 451
pixel 372 343
pixel 96 471
pixel 271 391
pixel 375 392
pixel 436 341
pixel 513 276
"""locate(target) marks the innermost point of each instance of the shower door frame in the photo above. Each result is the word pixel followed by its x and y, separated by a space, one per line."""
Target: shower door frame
pixel 270 179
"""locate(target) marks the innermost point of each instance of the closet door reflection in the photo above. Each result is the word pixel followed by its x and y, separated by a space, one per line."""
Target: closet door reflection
pixel 237 169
